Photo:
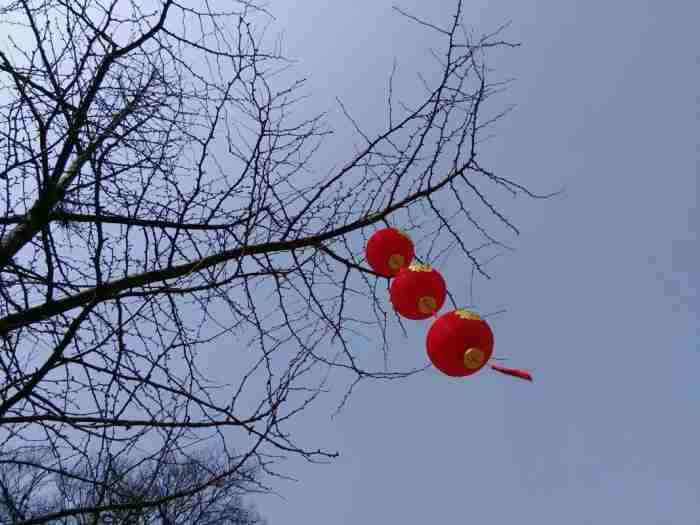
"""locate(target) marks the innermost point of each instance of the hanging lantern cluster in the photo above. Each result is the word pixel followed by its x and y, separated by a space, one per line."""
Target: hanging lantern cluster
pixel 459 343
pixel 417 291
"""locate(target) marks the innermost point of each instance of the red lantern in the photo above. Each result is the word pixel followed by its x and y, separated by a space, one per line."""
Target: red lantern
pixel 459 343
pixel 388 250
pixel 418 292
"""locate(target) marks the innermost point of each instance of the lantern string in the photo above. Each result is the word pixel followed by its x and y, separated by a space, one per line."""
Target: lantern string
pixel 515 372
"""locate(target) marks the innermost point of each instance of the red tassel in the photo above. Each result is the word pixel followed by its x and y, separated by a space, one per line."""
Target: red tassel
pixel 522 374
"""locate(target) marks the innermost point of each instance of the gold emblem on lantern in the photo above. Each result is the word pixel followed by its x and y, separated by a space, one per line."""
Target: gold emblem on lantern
pixel 474 358
pixel 427 304
pixel 418 267
pixel 463 313
pixel 396 261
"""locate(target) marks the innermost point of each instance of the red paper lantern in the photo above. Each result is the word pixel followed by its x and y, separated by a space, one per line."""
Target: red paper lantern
pixel 459 343
pixel 418 292
pixel 388 250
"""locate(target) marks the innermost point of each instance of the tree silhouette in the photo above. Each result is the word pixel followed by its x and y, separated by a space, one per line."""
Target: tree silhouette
pixel 122 486
pixel 161 205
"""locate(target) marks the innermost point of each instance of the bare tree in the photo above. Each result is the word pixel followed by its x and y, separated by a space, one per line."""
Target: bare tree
pixel 160 199
pixel 124 486
pixel 21 484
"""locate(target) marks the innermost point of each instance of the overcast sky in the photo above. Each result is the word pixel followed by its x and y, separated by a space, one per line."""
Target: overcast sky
pixel 601 293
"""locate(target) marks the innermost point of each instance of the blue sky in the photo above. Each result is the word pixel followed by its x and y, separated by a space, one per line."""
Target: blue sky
pixel 601 292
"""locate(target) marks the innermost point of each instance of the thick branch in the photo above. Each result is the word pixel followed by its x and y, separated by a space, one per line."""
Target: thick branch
pixel 112 289
pixel 38 215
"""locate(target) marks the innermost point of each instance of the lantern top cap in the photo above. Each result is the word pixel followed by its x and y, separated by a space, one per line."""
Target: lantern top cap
pixel 402 233
pixel 418 267
pixel 463 313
